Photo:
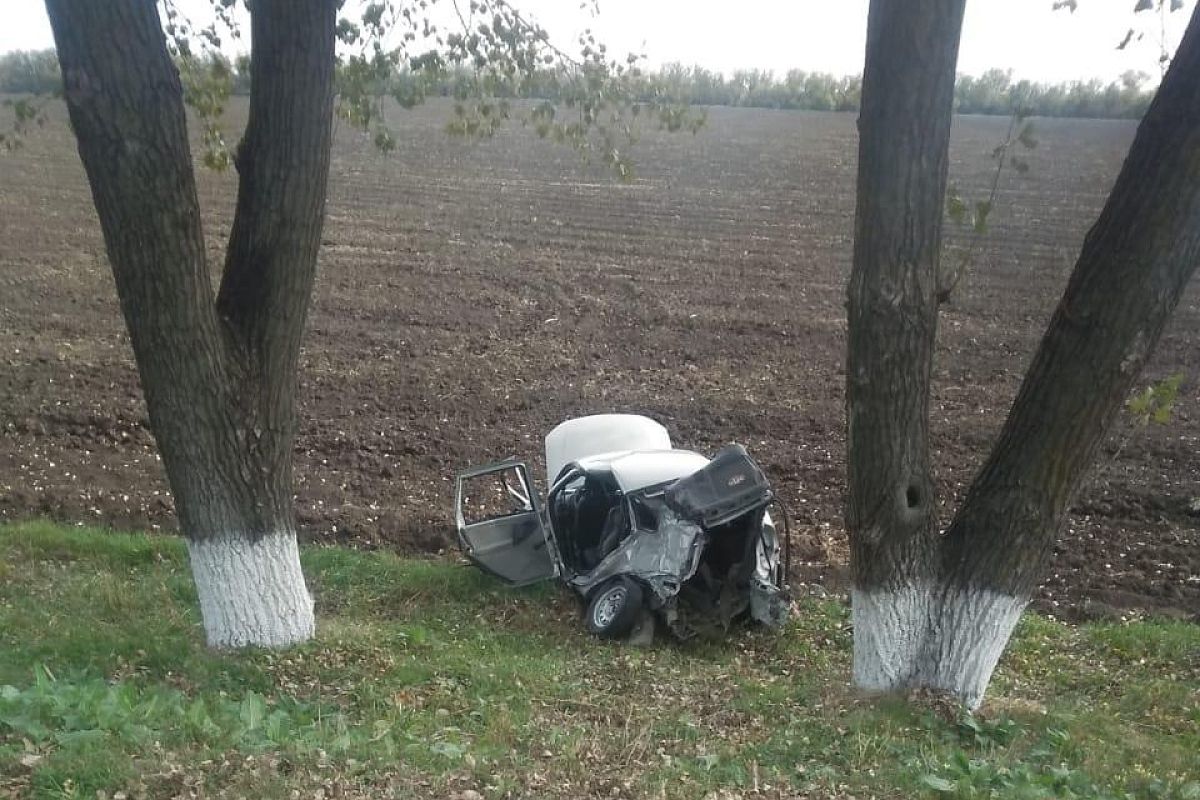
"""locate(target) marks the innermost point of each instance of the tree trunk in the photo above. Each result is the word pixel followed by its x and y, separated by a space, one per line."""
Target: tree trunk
pixel 904 135
pixel 936 610
pixel 219 375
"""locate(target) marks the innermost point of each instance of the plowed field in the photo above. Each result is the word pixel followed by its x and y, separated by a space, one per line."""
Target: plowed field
pixel 472 295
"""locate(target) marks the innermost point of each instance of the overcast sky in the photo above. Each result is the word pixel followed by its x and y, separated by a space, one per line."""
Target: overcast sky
pixel 1026 36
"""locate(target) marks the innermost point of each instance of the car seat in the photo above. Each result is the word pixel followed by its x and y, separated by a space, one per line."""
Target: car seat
pixel 614 531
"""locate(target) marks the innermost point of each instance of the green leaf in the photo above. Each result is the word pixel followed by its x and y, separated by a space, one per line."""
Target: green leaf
pixel 1156 403
pixel 982 209
pixel 347 31
pixel 198 721
pixel 384 140
pixel 276 725
pixel 938 784
pixel 449 750
pixel 956 208
pixel 91 735
pixel 251 711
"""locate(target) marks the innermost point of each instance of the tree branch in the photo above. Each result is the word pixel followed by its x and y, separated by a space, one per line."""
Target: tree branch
pixel 1135 263
pixel 283 167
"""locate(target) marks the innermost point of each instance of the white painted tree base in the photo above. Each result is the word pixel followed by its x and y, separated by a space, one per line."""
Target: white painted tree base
pixel 930 637
pixel 252 593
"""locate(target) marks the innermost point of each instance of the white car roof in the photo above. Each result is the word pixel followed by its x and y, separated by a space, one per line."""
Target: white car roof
pixel 638 469
pixel 601 434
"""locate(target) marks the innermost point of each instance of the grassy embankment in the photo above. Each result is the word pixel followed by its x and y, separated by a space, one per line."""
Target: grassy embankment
pixel 429 680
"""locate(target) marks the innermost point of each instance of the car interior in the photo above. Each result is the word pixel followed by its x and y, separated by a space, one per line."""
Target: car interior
pixel 588 518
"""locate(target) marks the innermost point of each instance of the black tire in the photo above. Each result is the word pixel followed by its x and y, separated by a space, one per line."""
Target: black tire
pixel 614 608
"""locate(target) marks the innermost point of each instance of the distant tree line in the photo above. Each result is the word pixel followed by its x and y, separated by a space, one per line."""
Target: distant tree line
pixel 993 92
pixel 29 72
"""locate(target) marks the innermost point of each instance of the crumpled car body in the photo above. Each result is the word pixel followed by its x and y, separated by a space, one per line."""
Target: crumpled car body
pixel 638 529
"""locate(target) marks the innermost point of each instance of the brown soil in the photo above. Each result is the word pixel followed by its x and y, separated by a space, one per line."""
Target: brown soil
pixel 472 295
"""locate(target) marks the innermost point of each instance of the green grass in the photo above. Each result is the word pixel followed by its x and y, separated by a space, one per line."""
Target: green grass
pixel 427 679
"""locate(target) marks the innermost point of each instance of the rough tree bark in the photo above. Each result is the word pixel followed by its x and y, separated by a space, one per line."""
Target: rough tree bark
pixel 219 374
pixel 934 609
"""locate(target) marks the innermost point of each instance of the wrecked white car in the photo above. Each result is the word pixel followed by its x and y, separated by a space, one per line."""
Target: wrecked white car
pixel 639 530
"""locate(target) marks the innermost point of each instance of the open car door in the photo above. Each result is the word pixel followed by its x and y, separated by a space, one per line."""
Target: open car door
pixel 500 524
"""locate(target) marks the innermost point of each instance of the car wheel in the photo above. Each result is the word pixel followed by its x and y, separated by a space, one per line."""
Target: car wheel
pixel 614 608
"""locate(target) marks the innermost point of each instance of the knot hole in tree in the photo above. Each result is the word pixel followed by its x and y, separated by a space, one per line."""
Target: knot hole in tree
pixel 910 500
pixel 912 497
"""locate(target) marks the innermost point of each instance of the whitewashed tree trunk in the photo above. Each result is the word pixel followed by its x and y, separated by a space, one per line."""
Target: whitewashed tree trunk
pixel 935 608
pixel 251 592
pixel 914 637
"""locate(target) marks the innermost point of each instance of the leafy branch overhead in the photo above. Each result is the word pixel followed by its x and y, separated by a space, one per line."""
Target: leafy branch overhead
pixel 1132 35
pixel 1150 5
pixel 206 74
pixel 484 54
pixel 488 55
pixel 1140 5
